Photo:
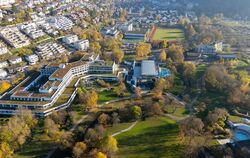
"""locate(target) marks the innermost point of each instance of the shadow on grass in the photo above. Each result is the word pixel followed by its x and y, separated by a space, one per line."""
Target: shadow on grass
pixel 34 149
pixel 158 141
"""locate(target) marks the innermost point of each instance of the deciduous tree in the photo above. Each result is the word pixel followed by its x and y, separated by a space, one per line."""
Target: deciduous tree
pixel 79 149
pixel 101 155
pixel 143 49
pixel 176 53
pixel 4 85
pixel 5 150
pixel 117 55
pixel 163 55
pixel 136 112
pixel 109 145
pixel 103 119
pixel 120 89
pixel 138 92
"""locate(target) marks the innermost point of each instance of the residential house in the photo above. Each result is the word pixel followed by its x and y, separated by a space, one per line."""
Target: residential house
pixel 82 45
pixel 15 60
pixel 3 73
pixel 3 64
pixel 32 59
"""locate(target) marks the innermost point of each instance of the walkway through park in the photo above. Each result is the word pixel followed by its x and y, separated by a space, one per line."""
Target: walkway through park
pixel 125 130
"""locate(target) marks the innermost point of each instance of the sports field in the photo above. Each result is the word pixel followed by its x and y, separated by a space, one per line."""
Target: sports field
pixel 168 34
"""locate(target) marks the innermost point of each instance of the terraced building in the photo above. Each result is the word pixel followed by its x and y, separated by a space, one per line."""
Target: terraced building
pixel 54 88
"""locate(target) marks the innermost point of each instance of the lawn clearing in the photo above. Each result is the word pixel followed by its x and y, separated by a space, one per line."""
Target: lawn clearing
pixel 179 111
pixel 129 57
pixel 106 95
pixel 234 118
pixel 168 34
pixel 178 85
pixel 37 147
pixel 117 128
pixel 154 137
pixel 200 70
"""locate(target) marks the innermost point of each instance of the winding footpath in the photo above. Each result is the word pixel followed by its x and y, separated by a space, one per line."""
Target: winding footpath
pixel 125 130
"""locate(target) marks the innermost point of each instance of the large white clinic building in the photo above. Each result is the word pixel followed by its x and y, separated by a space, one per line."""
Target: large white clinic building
pixel 41 92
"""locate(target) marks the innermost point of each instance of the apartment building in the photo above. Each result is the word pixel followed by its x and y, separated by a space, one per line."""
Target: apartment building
pixel 6 2
pixel 61 23
pixel 3 49
pixel 50 50
pixel 32 31
pixel 69 39
pixel 14 37
pixel 40 93
pixel 211 49
pixel 3 64
pixel 82 45
pixel 15 60
pixel 32 59
pixel 3 73
pixel 73 40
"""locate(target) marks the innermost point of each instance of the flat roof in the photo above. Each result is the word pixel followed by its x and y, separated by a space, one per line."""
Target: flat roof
pixel 141 31
pixel 61 72
pixel 148 68
pixel 102 63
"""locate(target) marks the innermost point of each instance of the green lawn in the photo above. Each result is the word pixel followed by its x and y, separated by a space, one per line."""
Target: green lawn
pixel 129 57
pixel 117 128
pixel 200 70
pixel 132 40
pixel 168 34
pixel 178 85
pixel 106 95
pixel 231 23
pixel 234 118
pixel 215 98
pixel 179 111
pixel 156 137
pixel 37 147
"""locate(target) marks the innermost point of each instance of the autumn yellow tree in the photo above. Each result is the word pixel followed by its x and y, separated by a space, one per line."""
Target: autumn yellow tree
pixel 117 55
pixel 143 49
pixel 91 99
pixel 17 129
pixel 159 87
pixel 176 53
pixel 109 145
pixel 164 44
pixel 4 85
pixel 189 71
pixel 162 55
pixel 88 98
pixel 101 155
pixel 95 47
pixel 5 150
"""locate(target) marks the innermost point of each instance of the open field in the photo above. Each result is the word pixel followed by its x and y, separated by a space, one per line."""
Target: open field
pixel 168 34
pixel 154 137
